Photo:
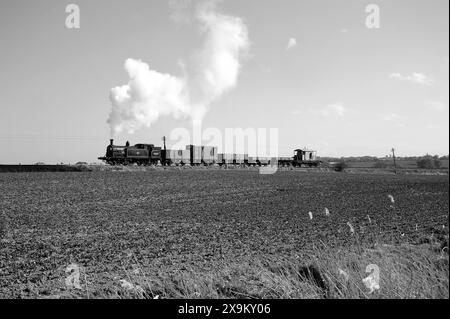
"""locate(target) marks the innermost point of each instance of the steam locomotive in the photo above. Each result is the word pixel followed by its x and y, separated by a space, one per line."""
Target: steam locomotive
pixel 149 154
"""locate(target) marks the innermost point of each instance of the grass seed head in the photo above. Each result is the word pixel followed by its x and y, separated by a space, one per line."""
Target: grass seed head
pixel 344 274
pixel 126 285
pixel 392 199
pixel 372 282
pixel 352 230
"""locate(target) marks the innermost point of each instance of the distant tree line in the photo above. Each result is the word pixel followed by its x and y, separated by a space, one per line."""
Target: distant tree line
pixel 423 162
pixel 429 162
pixel 375 159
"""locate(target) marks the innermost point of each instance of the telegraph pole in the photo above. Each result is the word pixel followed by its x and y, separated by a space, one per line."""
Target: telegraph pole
pixel 395 163
pixel 164 156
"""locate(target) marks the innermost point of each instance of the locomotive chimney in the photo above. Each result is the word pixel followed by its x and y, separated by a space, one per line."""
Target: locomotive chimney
pixel 111 142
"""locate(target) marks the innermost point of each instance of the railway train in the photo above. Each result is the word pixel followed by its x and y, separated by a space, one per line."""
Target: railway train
pixel 149 154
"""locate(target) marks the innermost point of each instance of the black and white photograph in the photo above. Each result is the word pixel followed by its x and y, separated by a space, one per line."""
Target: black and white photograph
pixel 237 151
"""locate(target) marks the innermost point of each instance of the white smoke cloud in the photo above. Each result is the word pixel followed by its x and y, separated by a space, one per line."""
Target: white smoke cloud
pixel 213 71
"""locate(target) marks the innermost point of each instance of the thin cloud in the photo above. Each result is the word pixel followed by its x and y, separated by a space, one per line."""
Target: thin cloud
pixel 181 11
pixel 336 109
pixel 394 118
pixel 437 106
pixel 292 43
pixel 418 78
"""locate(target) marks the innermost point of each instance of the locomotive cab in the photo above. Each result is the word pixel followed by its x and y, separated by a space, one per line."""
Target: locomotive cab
pixel 305 157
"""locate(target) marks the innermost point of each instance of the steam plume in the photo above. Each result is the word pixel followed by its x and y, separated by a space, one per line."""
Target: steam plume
pixel 213 71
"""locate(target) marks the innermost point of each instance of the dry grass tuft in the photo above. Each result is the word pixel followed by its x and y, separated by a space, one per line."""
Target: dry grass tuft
pixel 404 272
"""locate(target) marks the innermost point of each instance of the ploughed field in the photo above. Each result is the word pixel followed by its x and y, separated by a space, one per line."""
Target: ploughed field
pixel 105 221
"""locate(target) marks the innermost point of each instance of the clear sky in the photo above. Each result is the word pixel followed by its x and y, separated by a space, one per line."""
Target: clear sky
pixel 312 69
